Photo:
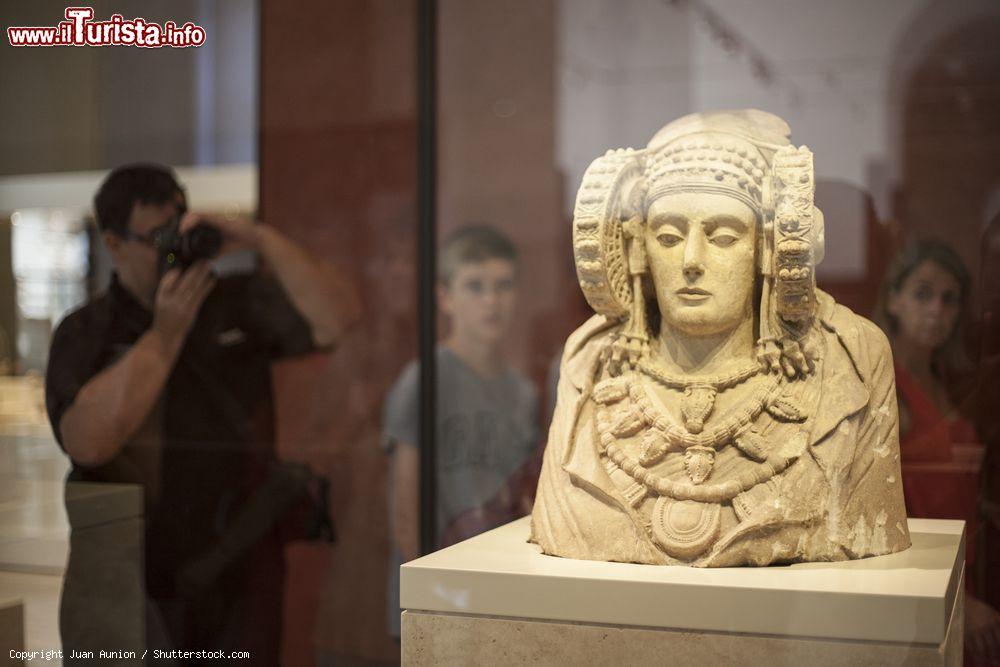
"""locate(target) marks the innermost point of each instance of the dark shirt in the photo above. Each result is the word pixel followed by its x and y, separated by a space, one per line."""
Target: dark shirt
pixel 209 442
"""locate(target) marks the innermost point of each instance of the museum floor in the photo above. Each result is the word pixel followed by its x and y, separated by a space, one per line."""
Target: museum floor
pixel 33 524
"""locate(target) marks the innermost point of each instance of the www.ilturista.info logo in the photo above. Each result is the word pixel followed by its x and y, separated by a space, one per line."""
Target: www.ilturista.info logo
pixel 79 29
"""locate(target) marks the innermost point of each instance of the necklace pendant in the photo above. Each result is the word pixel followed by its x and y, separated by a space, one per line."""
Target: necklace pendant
pixel 752 444
pixel 696 406
pixel 698 462
pixel 786 408
pixel 610 390
pixel 654 446
pixel 626 421
pixel 685 529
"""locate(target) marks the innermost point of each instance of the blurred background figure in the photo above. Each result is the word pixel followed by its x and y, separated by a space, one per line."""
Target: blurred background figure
pixel 923 306
pixel 164 381
pixel 925 294
pixel 487 411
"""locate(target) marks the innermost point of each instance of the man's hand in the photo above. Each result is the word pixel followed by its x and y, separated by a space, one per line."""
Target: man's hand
pixel 238 234
pixel 178 300
pixel 113 405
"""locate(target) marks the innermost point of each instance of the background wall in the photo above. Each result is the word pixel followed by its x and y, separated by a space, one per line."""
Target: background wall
pixel 77 109
pixel 337 165
pixel 624 69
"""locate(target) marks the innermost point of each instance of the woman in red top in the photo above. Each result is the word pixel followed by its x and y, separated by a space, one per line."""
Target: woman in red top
pixel 925 291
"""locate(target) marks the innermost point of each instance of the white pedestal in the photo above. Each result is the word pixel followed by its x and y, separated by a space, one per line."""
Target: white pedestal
pixel 495 599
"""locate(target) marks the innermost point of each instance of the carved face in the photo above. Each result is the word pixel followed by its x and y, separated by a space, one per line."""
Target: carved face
pixel 926 305
pixel 702 259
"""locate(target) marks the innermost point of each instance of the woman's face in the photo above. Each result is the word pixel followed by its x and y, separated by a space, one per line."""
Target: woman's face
pixel 926 305
pixel 702 259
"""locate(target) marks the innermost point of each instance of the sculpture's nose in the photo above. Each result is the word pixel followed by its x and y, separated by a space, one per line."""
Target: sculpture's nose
pixel 693 266
pixel 693 270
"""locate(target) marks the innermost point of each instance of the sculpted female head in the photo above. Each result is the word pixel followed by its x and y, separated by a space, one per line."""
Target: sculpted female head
pixel 716 216
pixel 704 189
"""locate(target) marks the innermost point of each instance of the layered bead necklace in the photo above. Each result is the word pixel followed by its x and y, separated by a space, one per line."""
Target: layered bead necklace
pixel 620 418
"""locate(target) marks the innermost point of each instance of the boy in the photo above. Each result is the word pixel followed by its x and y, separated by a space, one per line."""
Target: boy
pixel 486 411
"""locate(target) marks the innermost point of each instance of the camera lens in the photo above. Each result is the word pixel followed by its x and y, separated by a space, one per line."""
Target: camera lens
pixel 203 242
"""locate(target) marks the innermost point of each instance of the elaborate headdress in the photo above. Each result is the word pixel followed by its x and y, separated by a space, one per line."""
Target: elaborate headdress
pixel 743 154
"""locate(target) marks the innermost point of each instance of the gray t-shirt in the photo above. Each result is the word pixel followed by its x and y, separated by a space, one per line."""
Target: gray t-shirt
pixel 486 430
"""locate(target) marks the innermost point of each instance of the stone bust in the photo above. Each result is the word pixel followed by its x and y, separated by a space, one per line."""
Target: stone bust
pixel 719 410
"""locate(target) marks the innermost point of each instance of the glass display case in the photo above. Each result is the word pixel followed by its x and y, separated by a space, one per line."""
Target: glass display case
pixel 430 154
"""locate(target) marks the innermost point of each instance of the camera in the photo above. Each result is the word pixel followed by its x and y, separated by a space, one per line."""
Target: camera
pixel 178 250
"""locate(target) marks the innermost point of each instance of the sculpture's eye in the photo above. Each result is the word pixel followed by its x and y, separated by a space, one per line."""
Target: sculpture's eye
pixel 723 239
pixel 669 239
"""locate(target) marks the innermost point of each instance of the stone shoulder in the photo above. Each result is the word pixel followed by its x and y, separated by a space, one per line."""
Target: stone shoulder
pixel 865 342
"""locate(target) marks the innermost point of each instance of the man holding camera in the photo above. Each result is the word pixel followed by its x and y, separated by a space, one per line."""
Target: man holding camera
pixel 164 381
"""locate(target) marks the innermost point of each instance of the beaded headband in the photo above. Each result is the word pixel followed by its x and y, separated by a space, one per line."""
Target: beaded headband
pixel 708 162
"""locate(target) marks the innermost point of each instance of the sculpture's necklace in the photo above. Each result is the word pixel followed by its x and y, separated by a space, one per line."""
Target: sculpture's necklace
pixel 661 435
pixel 699 392
pixel 705 493
pixel 655 370
pixel 686 515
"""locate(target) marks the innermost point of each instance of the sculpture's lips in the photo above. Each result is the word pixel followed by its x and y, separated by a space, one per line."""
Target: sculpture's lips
pixel 693 292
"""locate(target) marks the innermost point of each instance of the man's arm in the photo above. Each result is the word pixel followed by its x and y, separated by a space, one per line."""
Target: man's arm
pixel 320 293
pixel 406 500
pixel 111 407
